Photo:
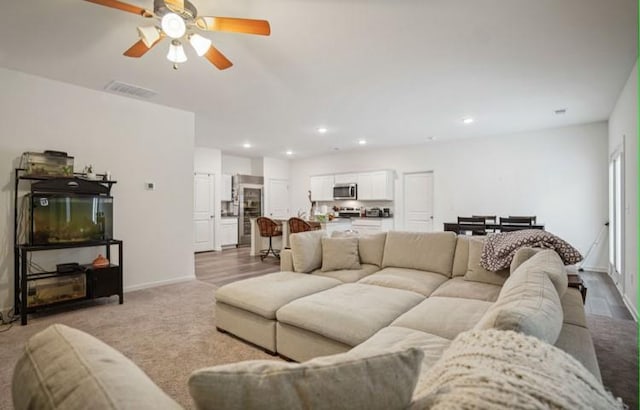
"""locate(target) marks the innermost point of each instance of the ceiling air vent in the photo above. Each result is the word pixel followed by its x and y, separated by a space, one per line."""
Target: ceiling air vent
pixel 130 90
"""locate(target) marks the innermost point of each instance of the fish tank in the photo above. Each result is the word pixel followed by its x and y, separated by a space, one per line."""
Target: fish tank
pixel 64 218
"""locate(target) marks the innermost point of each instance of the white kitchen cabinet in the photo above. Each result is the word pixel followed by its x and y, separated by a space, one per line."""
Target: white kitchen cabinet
pixel 229 231
pixel 375 186
pixel 346 178
pixel 321 188
pixel 338 226
pixel 227 188
pixel 371 225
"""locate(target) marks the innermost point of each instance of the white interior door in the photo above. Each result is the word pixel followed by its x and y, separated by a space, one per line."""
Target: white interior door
pixel 203 212
pixel 418 202
pixel 278 198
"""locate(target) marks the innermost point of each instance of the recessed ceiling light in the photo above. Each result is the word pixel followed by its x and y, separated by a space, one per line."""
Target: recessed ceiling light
pixel 322 130
pixel 432 138
pixel 362 142
pixel 467 120
pixel 246 145
pixel 561 111
pixel 289 152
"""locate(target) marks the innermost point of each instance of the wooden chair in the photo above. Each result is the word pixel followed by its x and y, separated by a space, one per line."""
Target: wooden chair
pixel 476 225
pixel 268 229
pixel 515 223
pixel 299 225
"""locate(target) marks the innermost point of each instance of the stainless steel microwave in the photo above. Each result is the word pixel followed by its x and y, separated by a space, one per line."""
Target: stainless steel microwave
pixel 345 191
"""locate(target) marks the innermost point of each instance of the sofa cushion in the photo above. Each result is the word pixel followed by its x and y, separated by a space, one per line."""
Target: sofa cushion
pixel 264 295
pixel 399 338
pixel 381 380
pixel 549 262
pixel 444 317
pixel 461 256
pixel 340 253
pixel 349 275
pixel 306 250
pixel 370 246
pixel 418 281
pixel 528 303
pixel 521 256
pixel 348 313
pixel 476 273
pixel 65 368
pixel 494 369
pixel 573 308
pixel 577 341
pixel 431 252
pixel 457 287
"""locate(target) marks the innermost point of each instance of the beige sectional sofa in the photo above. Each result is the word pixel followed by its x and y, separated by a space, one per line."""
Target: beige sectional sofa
pixel 411 290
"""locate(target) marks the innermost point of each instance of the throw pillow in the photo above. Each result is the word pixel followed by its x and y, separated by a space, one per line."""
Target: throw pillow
pixel 475 272
pixel 495 369
pixel 383 380
pixel 306 250
pixel 370 247
pixel 340 253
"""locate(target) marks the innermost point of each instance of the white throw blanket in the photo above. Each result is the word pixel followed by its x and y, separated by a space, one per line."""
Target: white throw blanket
pixel 496 369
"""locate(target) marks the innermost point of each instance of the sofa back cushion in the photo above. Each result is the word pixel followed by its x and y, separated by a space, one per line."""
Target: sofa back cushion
pixel 550 263
pixel 431 252
pixel 306 250
pixel 369 380
pixel 528 303
pixel 370 246
pixel 461 256
pixel 521 256
pixel 65 368
pixel 475 272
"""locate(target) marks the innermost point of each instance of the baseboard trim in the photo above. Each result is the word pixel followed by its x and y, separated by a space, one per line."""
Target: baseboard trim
pixel 148 285
pixel 595 269
pixel 632 309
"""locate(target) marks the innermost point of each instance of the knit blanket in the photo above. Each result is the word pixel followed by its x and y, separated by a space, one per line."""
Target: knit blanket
pixel 499 248
pixel 497 369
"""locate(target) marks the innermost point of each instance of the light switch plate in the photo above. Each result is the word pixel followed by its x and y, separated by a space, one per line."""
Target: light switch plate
pixel 150 186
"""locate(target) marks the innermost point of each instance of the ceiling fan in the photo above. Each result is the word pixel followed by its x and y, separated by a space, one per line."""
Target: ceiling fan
pixel 178 19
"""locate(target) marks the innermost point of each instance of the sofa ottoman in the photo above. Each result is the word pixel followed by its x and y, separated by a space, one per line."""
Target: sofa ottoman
pixel 341 317
pixel 248 308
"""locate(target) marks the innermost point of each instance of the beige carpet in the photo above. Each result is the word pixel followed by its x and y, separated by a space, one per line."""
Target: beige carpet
pixel 168 331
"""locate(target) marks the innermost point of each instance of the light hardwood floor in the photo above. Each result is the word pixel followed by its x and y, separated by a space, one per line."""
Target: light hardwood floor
pixel 230 265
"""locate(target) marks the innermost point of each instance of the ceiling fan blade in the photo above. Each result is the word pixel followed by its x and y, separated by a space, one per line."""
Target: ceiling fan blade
pixel 123 6
pixel 218 59
pixel 139 49
pixel 234 25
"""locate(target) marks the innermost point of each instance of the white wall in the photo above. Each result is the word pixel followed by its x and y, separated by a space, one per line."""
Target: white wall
pixel 137 141
pixel 209 161
pixel 559 174
pixel 623 124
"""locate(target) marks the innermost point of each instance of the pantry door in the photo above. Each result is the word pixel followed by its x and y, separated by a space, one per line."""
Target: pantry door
pixel 203 212
pixel 418 202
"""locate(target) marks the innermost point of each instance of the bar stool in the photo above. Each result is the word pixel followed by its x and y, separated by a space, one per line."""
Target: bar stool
pixel 268 229
pixel 299 225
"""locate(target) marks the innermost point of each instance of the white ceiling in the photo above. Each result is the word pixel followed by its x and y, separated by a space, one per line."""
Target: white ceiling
pixel 390 71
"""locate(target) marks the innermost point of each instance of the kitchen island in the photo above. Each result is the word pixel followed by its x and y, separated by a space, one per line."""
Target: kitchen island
pixel 361 225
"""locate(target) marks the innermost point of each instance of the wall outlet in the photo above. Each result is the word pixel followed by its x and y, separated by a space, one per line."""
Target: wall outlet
pixel 150 186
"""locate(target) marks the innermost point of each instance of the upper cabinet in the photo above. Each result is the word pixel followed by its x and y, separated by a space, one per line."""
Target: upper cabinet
pixel 346 178
pixel 372 186
pixel 226 188
pixel 322 188
pixel 375 186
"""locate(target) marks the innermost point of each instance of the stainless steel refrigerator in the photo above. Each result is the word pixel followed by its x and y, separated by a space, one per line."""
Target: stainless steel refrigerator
pixel 248 193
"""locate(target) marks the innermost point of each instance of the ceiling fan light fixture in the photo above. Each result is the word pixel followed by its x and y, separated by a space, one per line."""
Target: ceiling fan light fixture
pixel 149 35
pixel 173 25
pixel 176 52
pixel 200 44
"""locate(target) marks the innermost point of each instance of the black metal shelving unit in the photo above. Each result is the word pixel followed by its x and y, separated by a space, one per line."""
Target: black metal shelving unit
pixel 99 282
